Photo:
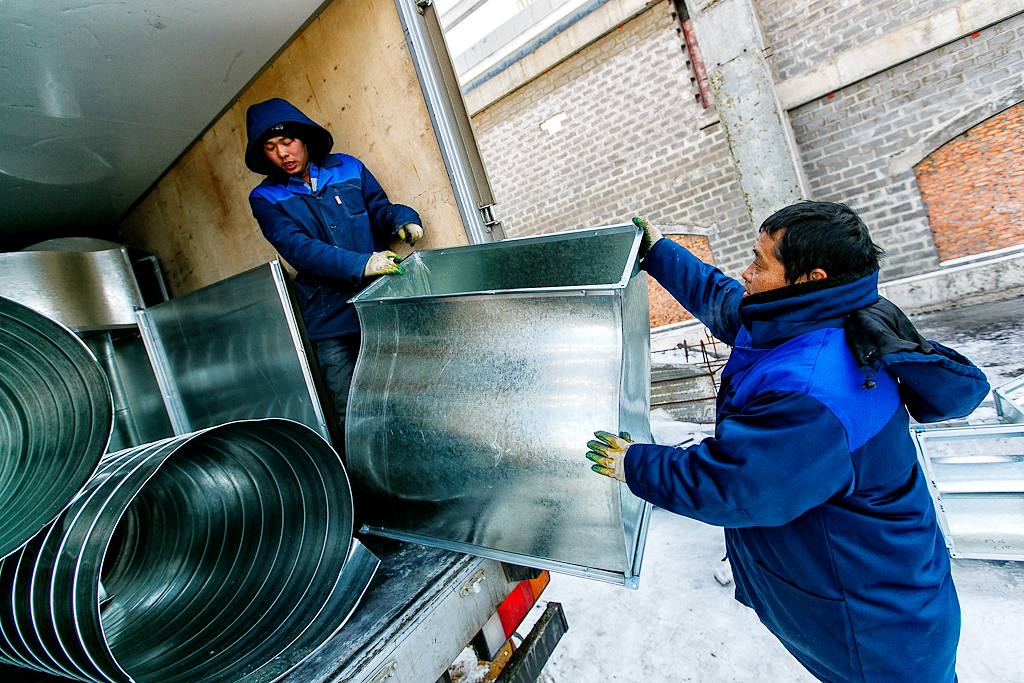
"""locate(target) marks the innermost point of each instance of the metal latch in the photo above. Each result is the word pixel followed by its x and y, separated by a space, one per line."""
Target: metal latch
pixel 422 5
pixel 473 585
pixel 385 672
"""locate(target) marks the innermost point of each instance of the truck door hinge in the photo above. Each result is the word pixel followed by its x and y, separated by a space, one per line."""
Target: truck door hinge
pixel 385 672
pixel 473 585
pixel 422 5
pixel 491 224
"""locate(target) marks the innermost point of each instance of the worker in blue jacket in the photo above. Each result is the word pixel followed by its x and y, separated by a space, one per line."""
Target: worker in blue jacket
pixel 331 220
pixel 829 524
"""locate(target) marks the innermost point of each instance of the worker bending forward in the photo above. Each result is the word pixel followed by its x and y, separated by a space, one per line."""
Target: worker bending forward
pixel 331 220
pixel 829 524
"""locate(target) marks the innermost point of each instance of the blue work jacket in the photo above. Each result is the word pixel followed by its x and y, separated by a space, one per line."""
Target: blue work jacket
pixel 327 235
pixel 829 524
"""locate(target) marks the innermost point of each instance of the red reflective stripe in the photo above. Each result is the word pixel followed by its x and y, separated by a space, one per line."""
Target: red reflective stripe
pixel 516 605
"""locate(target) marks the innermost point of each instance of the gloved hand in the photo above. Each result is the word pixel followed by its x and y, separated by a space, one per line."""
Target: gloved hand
pixel 609 452
pixel 651 235
pixel 411 233
pixel 383 263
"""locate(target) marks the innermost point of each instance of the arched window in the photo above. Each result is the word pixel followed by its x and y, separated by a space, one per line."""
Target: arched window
pixel 973 187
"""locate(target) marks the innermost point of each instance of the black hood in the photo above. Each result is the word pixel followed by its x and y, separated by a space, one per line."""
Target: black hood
pixel 260 118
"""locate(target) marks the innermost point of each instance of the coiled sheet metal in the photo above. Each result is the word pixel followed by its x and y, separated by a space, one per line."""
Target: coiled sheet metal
pixel 223 555
pixel 55 419
pixel 482 373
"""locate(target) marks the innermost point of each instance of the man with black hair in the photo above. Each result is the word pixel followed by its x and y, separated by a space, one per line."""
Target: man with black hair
pixel 830 528
pixel 331 220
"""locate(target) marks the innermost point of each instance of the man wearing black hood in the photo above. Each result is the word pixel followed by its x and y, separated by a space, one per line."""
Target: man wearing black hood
pixel 331 220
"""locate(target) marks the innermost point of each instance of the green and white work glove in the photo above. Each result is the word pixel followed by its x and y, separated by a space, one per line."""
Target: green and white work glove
pixel 651 235
pixel 411 233
pixel 609 452
pixel 383 263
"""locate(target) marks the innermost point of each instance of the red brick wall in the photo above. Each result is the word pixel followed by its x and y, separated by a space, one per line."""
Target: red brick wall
pixel 664 309
pixel 973 187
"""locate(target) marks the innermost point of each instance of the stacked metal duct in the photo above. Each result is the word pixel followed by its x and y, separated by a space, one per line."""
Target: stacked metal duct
pixel 222 555
pixel 55 419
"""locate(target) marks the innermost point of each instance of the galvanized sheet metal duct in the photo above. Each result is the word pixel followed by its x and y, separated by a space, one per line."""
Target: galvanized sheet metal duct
pixel 483 372
pixel 221 555
pixel 55 420
pixel 88 290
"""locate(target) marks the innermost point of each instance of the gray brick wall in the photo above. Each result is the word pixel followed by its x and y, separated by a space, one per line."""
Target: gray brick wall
pixel 804 33
pixel 846 142
pixel 631 144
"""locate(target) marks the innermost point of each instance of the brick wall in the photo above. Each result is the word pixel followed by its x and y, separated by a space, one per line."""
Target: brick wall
pixel 846 141
pixel 803 34
pixel 973 187
pixel 630 144
pixel 664 309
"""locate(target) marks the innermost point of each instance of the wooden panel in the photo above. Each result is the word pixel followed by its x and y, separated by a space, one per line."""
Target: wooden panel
pixel 349 71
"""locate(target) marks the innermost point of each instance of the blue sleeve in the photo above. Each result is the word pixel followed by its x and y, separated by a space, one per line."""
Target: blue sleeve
pixel 305 254
pixel 702 289
pixel 782 455
pixel 385 218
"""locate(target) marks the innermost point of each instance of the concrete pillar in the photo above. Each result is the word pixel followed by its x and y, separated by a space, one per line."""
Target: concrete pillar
pixel 757 127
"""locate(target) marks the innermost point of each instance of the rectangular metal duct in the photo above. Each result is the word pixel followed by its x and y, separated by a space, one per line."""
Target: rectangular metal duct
pixel 976 475
pixel 483 372
pixel 83 290
pixel 232 351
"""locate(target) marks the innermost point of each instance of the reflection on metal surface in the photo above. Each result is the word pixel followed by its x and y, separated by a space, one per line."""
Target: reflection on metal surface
pixel 224 555
pixel 483 372
pixel 976 475
pixel 1010 400
pixel 232 351
pixel 84 290
pixel 55 419
pixel 139 413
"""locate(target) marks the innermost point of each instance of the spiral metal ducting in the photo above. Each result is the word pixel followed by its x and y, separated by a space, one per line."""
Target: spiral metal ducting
pixel 222 555
pixel 55 420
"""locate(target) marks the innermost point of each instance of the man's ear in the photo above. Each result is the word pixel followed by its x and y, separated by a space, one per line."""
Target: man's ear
pixel 817 274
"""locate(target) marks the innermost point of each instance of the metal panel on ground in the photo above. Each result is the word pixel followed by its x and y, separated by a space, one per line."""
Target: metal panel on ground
pixel 483 372
pixel 231 351
pixel 976 475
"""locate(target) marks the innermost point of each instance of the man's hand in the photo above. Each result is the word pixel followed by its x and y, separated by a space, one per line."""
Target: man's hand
pixel 609 452
pixel 411 233
pixel 383 263
pixel 651 235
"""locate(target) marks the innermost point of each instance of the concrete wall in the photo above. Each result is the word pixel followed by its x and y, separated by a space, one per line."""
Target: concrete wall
pixel 871 88
pixel 853 143
pixel 804 34
pixel 630 143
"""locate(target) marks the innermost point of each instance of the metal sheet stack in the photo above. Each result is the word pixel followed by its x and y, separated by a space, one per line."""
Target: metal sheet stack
pixel 221 555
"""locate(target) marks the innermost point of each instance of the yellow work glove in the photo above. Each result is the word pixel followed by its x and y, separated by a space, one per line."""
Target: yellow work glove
pixel 411 233
pixel 609 452
pixel 383 263
pixel 651 235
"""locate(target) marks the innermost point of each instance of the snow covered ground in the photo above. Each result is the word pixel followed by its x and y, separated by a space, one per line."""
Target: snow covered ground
pixel 682 625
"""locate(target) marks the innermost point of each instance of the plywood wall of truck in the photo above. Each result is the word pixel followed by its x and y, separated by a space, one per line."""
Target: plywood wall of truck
pixel 351 72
